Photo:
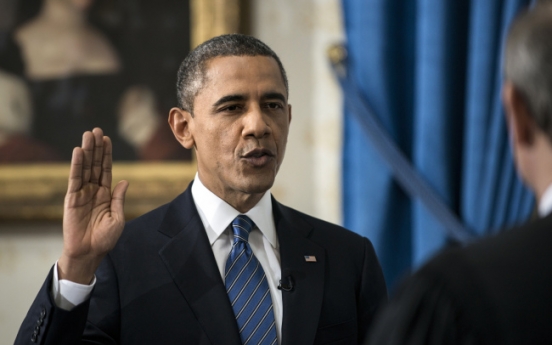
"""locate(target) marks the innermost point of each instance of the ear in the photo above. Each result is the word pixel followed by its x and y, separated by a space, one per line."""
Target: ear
pixel 289 111
pixel 518 116
pixel 181 123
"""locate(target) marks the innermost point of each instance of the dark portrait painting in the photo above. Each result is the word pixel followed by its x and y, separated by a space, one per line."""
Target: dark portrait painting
pixel 67 66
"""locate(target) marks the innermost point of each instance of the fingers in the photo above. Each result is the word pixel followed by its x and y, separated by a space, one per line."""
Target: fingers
pixel 92 147
pixel 91 163
pixel 75 174
pixel 88 152
pixel 97 155
pixel 118 200
pixel 107 163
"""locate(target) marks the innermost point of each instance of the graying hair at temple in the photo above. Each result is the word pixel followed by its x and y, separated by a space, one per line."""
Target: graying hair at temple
pixel 528 61
pixel 191 73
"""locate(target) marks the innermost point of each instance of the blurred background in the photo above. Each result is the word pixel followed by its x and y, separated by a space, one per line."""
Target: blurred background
pixel 299 31
pixel 407 147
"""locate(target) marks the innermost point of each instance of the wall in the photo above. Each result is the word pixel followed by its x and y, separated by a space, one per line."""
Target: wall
pixel 27 252
pixel 300 32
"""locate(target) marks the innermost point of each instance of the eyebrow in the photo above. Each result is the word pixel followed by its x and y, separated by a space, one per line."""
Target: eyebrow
pixel 229 98
pixel 274 95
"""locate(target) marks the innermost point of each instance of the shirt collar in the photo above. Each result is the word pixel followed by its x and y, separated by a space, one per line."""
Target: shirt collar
pixel 545 204
pixel 216 214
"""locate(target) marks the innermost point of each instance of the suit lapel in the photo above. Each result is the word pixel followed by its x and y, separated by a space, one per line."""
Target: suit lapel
pixel 190 260
pixel 303 304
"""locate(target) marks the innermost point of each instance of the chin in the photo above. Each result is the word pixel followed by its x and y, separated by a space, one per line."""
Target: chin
pixel 257 184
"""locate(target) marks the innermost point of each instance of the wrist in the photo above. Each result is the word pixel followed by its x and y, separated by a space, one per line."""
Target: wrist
pixel 77 270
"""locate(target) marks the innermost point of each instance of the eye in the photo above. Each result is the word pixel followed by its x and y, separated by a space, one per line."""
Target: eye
pixel 231 108
pixel 274 105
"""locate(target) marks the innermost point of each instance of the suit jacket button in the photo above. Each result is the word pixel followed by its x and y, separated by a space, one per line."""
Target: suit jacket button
pixel 33 338
pixel 43 313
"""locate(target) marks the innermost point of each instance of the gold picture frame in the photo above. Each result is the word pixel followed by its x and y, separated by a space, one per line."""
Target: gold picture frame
pixel 36 191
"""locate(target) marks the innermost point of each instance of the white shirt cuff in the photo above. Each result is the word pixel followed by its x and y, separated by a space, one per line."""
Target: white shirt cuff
pixel 68 294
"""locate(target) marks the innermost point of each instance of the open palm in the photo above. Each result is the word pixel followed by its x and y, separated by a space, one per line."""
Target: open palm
pixel 93 216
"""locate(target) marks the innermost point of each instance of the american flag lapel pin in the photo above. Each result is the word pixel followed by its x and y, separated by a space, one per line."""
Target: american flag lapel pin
pixel 310 258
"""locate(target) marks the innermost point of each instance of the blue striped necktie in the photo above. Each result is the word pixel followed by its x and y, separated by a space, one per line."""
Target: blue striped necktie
pixel 247 288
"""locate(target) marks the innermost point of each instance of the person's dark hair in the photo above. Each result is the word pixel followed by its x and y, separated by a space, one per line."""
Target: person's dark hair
pixel 191 74
pixel 528 62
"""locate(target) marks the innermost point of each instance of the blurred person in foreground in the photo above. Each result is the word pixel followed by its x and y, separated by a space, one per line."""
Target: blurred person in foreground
pixel 224 263
pixel 497 291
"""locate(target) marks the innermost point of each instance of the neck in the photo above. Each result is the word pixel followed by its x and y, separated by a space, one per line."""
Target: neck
pixel 540 186
pixel 62 13
pixel 244 202
pixel 537 165
pixel 240 201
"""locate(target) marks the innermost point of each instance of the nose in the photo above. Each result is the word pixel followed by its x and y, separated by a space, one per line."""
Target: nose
pixel 255 123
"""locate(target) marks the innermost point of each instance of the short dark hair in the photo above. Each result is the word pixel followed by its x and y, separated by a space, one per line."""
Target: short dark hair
pixel 191 74
pixel 528 62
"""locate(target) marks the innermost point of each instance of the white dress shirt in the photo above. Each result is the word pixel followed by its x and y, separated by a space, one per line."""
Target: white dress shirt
pixel 545 203
pixel 216 216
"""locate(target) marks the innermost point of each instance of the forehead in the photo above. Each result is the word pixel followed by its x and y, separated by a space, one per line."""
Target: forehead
pixel 242 73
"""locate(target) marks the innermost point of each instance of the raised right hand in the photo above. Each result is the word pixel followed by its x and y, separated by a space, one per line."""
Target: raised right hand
pixel 93 217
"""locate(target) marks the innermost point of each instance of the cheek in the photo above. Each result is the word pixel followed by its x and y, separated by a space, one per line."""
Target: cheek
pixel 221 143
pixel 225 141
pixel 281 133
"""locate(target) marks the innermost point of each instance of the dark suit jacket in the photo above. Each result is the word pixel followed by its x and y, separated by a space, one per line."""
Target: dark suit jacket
pixel 161 285
pixel 498 291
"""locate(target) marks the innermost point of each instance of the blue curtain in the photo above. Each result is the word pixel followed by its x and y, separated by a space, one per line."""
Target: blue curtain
pixel 431 72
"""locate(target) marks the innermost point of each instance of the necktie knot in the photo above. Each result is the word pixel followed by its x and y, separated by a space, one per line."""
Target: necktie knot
pixel 241 227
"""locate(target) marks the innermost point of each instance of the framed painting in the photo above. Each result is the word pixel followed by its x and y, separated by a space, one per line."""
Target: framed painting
pixel 97 64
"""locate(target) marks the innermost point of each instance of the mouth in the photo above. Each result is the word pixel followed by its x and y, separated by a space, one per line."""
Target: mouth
pixel 258 157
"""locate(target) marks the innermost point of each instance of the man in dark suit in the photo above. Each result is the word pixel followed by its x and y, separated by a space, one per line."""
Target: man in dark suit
pixel 497 291
pixel 177 275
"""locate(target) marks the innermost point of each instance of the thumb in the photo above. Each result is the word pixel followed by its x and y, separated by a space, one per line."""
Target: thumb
pixel 118 199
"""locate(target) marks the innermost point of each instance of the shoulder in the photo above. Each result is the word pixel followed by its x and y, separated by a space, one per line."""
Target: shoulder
pixel 149 218
pixel 175 215
pixel 353 249
pixel 526 244
pixel 13 88
pixel 142 237
pixel 517 249
pixel 488 285
pixel 442 303
pixel 102 56
pixel 320 229
pixel 34 33
pixel 27 30
pixel 143 232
